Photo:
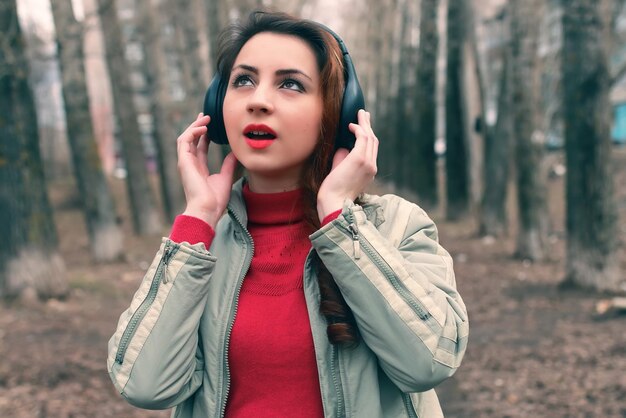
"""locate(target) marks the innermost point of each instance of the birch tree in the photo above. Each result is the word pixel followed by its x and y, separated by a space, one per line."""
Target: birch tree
pixel 98 204
pixel 145 213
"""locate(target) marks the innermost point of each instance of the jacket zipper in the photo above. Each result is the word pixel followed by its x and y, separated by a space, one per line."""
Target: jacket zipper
pixel 335 371
pixel 139 314
pixel 409 405
pixel 231 319
pixel 382 265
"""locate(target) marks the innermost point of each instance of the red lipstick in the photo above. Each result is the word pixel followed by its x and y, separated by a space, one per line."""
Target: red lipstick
pixel 259 130
pixel 259 136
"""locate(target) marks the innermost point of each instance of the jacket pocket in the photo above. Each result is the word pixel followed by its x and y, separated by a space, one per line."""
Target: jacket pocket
pixel 159 275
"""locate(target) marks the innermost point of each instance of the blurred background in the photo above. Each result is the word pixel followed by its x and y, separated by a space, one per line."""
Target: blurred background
pixel 505 120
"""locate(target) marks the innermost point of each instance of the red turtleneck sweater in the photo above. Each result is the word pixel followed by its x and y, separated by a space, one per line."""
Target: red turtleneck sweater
pixel 271 355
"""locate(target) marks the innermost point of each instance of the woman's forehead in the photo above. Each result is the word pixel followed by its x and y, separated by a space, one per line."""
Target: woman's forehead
pixel 278 51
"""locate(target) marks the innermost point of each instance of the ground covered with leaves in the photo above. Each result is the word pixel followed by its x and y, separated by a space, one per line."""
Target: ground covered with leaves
pixel 535 350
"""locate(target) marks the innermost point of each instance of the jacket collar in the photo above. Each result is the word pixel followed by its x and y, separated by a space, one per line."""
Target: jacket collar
pixel 236 204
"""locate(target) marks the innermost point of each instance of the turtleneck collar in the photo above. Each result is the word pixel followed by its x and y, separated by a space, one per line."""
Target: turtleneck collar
pixel 273 208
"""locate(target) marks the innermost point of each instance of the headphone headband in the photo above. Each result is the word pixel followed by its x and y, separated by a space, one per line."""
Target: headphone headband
pixel 352 101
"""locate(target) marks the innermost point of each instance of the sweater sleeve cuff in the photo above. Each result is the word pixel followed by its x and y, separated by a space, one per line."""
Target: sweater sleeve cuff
pixel 192 230
pixel 331 217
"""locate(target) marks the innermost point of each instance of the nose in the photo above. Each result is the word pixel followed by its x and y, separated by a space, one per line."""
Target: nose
pixel 260 100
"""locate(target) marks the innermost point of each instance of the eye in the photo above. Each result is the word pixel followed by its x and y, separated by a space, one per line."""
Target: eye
pixel 292 84
pixel 242 80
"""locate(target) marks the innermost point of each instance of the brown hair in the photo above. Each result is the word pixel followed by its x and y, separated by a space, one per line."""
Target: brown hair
pixel 342 327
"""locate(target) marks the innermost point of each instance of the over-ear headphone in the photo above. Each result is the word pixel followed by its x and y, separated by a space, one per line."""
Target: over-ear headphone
pixel 351 103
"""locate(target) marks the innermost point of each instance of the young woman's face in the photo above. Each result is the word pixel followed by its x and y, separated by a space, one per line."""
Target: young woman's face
pixel 273 107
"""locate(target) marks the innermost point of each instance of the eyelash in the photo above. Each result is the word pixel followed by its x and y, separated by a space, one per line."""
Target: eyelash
pixel 243 77
pixel 238 79
pixel 299 86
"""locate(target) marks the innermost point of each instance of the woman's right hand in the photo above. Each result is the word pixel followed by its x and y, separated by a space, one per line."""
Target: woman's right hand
pixel 206 194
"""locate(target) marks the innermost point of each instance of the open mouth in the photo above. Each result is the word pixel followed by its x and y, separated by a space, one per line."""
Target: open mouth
pixel 259 135
pixel 259 132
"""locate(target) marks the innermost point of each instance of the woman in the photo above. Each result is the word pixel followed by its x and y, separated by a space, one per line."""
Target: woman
pixel 292 294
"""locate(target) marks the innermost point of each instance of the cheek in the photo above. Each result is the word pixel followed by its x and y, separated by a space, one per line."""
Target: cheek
pixel 229 117
pixel 311 125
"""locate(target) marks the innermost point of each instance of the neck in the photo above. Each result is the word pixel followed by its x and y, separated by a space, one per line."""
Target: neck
pixel 260 183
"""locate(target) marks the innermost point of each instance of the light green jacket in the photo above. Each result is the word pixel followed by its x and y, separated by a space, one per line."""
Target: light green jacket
pixel 171 345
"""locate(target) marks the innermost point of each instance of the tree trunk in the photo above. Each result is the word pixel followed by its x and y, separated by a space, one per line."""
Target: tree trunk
pixel 402 164
pixel 472 108
pixel 457 181
pixel 592 242
pixel 214 27
pixel 188 43
pixel 384 89
pixel 493 219
pixel 193 75
pixel 98 206
pixel 145 213
pixel 422 154
pixel 529 144
pixel 29 258
pixel 164 128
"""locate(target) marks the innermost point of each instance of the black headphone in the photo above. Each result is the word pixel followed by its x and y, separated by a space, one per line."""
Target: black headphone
pixel 351 103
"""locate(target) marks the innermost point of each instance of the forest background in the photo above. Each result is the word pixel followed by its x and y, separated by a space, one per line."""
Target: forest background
pixel 505 120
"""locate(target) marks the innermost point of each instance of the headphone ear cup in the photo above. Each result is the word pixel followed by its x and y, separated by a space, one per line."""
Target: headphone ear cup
pixel 353 100
pixel 213 105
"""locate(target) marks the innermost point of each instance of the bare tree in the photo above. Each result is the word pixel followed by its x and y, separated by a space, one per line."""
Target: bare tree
pixel 29 257
pixel 215 23
pixel 145 213
pixel 98 205
pixel 457 175
pixel 164 127
pixel 529 144
pixel 592 241
pixel 195 77
pixel 493 217
pixel 385 84
pixel 421 152
pixel 398 118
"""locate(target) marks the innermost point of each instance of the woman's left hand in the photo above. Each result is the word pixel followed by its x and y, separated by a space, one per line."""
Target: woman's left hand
pixel 352 170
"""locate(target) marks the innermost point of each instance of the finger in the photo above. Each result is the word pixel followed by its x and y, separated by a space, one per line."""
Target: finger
pixel 202 150
pixel 229 165
pixel 368 122
pixel 188 141
pixel 200 121
pixel 339 156
pixel 360 145
pixel 372 151
pixel 374 155
pixel 361 116
pixel 372 140
pixel 365 124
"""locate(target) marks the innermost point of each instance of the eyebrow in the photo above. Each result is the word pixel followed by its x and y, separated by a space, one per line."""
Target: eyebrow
pixel 285 71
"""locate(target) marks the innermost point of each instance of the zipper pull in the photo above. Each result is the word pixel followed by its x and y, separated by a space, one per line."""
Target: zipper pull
pixel 356 247
pixel 166 260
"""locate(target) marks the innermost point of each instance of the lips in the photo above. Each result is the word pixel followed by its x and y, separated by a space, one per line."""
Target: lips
pixel 259 136
pixel 259 132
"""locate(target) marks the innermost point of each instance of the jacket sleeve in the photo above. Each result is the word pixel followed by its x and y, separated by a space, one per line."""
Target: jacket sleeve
pixel 399 283
pixel 154 359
